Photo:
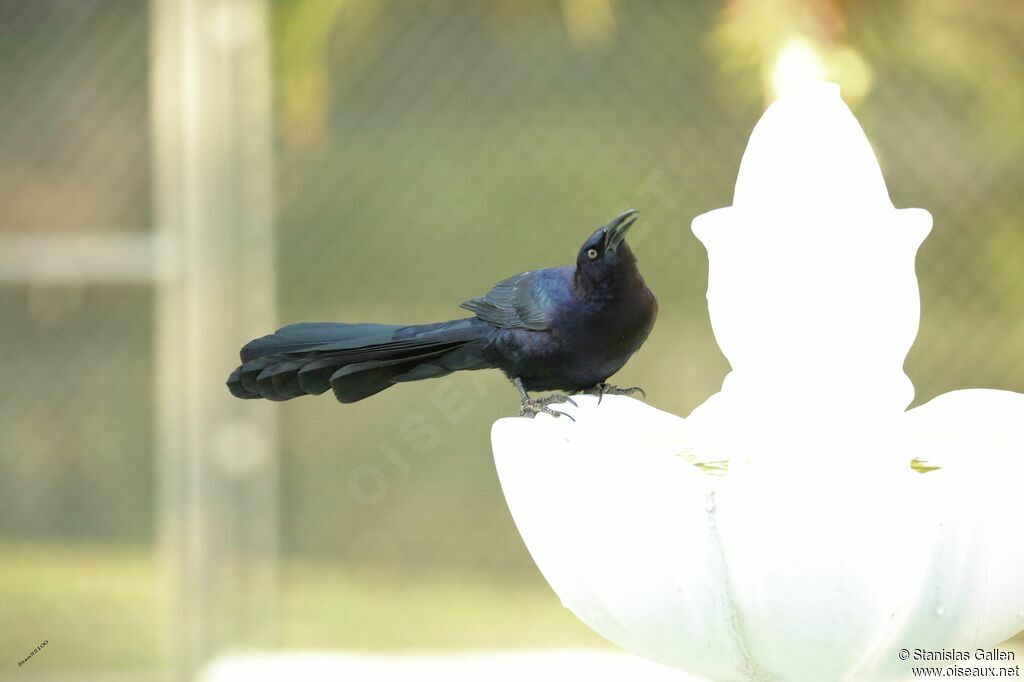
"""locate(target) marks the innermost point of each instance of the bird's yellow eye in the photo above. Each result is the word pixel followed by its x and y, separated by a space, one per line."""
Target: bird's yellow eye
pixel 592 254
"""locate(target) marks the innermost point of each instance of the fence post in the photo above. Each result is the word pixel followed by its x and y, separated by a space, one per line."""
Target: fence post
pixel 212 156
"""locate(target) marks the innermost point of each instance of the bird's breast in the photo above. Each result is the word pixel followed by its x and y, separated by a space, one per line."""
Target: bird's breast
pixel 608 332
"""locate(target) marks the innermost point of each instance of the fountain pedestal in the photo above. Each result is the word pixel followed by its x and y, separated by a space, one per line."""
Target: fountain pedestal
pixel 799 525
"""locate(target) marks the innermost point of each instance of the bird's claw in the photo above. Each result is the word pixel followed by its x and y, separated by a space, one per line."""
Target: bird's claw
pixel 601 390
pixel 531 407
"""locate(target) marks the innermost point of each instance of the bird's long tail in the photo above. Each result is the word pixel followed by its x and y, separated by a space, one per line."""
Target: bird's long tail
pixel 356 360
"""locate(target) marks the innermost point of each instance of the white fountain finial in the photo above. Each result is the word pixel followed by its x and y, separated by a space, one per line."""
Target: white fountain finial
pixel 812 291
pixel 808 154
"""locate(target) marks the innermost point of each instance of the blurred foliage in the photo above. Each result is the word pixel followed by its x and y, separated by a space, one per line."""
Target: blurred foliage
pixel 74 116
pixel 425 150
pixel 76 457
pixel 751 34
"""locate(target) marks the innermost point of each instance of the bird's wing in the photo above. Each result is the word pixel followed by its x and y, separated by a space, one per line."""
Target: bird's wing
pixel 518 301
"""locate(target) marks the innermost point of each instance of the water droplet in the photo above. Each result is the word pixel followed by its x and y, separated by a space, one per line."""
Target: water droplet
pixel 939 610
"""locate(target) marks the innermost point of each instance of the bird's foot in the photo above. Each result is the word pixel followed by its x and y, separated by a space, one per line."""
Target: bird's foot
pixel 601 390
pixel 531 407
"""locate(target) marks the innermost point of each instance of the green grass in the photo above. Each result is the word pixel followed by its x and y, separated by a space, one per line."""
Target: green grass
pixel 103 607
pixel 98 606
pixel 331 607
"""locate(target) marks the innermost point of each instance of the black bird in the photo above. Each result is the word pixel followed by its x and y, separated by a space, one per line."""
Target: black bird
pixel 557 329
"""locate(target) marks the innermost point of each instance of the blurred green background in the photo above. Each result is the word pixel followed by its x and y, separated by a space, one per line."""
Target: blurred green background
pixel 421 151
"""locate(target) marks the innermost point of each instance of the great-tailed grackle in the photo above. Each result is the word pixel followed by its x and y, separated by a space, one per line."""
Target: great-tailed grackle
pixel 557 329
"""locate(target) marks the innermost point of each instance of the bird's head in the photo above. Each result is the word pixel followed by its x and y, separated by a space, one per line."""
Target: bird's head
pixel 605 255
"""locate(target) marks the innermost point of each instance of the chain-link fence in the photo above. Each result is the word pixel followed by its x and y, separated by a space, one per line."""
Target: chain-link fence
pixel 423 150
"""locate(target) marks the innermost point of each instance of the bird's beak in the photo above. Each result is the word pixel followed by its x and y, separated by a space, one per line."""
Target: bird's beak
pixel 615 231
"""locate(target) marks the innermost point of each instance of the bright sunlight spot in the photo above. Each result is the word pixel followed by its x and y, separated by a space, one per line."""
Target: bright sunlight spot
pixel 797 66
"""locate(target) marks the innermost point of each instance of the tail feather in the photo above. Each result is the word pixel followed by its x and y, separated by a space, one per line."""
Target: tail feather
pixel 362 380
pixel 355 360
pixel 250 373
pixel 352 383
pixel 462 357
pixel 237 388
pixel 285 379
pixel 307 336
pixel 315 377
pixel 279 381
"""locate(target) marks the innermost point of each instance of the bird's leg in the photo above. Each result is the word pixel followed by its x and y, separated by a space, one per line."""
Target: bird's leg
pixel 603 389
pixel 534 406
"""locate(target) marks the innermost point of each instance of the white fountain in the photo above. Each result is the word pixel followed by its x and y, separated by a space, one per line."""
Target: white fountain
pixel 800 524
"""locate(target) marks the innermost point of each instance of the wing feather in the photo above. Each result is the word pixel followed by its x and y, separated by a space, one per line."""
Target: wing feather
pixel 514 302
